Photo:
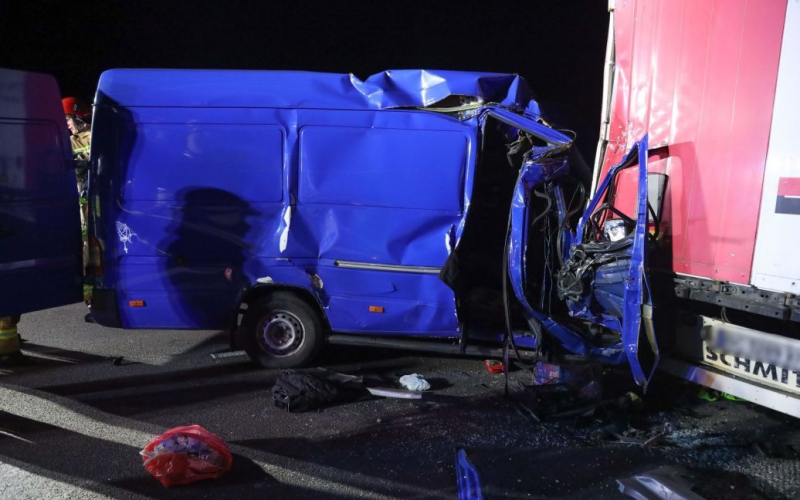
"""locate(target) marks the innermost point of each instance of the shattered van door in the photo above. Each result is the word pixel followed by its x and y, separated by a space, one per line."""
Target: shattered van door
pixel 40 242
pixel 543 165
pixel 603 279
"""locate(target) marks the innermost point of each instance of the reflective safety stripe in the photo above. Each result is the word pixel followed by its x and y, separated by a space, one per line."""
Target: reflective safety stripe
pixel 81 150
pixel 8 333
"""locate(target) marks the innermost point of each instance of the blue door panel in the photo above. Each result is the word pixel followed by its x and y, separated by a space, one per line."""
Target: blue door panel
pixel 391 168
pixel 378 284
pixel 168 309
pixel 412 303
pixel 168 158
pixel 232 231
pixel 381 236
pixel 187 236
pixel 351 314
pixel 39 231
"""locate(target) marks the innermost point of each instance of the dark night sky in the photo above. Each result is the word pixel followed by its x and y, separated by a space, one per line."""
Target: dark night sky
pixel 558 46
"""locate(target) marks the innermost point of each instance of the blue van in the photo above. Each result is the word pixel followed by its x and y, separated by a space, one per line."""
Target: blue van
pixel 415 208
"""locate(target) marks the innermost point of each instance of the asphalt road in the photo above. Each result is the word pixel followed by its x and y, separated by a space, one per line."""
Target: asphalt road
pixel 72 425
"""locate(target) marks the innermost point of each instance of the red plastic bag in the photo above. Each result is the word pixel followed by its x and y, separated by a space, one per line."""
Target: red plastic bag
pixel 186 454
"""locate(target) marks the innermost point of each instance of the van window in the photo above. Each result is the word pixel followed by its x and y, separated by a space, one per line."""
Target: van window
pixel 418 169
pixel 245 160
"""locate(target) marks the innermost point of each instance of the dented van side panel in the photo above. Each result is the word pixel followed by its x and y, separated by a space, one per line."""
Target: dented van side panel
pixel 331 197
pixel 207 185
pixel 342 188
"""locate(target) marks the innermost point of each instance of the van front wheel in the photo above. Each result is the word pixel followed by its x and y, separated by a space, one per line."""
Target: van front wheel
pixel 281 331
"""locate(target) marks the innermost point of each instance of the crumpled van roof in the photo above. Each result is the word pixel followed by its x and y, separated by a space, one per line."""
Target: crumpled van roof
pixel 305 89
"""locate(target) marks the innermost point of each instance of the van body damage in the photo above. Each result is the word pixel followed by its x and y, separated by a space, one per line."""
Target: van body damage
pixel 602 282
pixel 618 295
pixel 381 201
pixel 229 176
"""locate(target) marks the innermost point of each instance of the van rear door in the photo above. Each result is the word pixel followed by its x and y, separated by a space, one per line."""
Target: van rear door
pixel 40 242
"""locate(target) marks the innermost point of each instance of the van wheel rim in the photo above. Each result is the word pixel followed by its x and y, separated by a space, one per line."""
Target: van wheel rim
pixel 281 333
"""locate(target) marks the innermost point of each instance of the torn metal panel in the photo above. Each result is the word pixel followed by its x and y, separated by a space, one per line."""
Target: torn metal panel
pixel 532 174
pixel 604 281
pixel 529 123
pixel 287 221
pixel 535 172
pixel 668 482
pixel 467 478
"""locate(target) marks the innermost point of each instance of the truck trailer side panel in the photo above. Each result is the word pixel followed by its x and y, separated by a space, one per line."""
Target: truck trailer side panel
pixel 699 77
pixel 714 84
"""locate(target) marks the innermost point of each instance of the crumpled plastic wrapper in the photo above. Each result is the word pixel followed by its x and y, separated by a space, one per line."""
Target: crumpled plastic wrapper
pixel 414 382
pixel 186 454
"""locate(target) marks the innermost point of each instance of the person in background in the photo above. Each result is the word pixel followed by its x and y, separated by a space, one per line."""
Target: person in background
pixel 77 113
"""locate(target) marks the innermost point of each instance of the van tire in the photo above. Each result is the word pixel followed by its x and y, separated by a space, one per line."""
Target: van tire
pixel 281 330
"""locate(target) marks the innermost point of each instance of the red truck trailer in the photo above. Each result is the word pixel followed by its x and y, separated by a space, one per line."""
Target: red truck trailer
pixel 715 86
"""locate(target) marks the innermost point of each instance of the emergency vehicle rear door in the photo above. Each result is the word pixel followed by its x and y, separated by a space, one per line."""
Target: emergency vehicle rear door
pixel 40 240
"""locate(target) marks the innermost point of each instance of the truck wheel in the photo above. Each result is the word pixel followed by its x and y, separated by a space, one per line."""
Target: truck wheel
pixel 281 331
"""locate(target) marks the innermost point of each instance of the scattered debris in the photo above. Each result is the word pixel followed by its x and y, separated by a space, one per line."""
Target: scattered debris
pixel 526 412
pixel 711 395
pixel 298 392
pixel 775 449
pixel 494 366
pixel 562 391
pixel 414 382
pixel 186 454
pixel 582 378
pixel 624 433
pixel 469 483
pixel 228 354
pixel 669 482
pixel 393 393
pixel 651 443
